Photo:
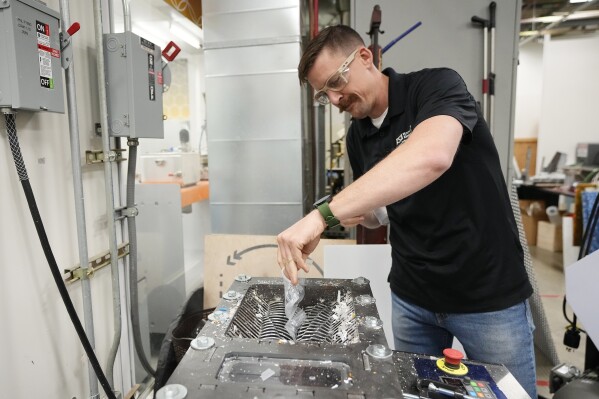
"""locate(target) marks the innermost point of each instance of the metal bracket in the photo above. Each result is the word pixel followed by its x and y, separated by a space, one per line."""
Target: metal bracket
pixel 125 212
pixel 66 51
pixel 96 263
pixel 93 156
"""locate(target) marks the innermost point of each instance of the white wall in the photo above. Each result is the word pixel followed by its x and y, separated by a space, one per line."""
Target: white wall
pixel 557 94
pixel 569 108
pixel 529 90
pixel 41 354
pixel 40 351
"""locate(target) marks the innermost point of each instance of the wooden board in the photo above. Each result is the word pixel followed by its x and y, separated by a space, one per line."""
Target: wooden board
pixel 521 147
pixel 228 255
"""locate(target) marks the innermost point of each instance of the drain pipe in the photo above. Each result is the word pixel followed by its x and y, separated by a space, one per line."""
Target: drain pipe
pixel 109 157
pixel 79 202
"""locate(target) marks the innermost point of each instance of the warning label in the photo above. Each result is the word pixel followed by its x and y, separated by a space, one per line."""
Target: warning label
pixel 151 78
pixel 146 45
pixel 45 53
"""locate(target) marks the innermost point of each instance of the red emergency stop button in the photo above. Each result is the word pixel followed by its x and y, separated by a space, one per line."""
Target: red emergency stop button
pixel 453 358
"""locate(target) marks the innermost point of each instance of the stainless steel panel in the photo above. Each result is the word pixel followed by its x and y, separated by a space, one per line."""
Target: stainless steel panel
pixel 253 107
pixel 253 110
pixel 248 20
pixel 252 60
pixel 223 6
pixel 253 218
pixel 256 171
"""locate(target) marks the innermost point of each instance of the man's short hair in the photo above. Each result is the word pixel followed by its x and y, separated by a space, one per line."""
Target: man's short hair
pixel 338 38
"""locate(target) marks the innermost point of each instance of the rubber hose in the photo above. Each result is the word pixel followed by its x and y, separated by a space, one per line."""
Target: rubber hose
pixel 132 229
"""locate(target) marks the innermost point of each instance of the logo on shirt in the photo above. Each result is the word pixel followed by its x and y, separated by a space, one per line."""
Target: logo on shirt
pixel 403 136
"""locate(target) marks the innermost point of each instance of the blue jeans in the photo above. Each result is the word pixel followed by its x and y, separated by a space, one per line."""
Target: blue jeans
pixel 503 336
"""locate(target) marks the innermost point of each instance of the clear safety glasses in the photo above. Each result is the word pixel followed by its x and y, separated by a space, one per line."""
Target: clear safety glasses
pixel 337 81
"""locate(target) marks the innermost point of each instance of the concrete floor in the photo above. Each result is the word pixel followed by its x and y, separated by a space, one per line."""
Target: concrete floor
pixel 551 283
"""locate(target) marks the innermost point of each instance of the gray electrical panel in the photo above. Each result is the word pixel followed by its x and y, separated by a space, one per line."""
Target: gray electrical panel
pixel 30 64
pixel 134 86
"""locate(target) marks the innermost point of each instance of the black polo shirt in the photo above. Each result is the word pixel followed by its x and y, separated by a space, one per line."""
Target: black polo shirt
pixel 455 243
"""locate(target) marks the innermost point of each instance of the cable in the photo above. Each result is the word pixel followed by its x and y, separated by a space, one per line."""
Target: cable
pixel 132 229
pixel 11 129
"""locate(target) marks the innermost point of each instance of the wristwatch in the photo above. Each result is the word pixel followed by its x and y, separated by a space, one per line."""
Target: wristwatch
pixel 323 207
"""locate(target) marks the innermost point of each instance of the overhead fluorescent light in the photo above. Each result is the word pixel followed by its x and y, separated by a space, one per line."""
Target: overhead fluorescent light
pixel 578 1
pixel 185 35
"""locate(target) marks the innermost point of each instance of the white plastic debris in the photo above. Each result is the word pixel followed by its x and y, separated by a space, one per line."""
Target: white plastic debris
pixel 294 294
pixel 266 374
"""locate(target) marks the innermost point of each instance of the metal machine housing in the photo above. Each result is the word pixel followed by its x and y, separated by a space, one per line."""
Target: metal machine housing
pixel 133 86
pixel 30 65
pixel 331 365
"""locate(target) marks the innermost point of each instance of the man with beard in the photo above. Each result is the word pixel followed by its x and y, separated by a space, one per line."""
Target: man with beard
pixel 421 150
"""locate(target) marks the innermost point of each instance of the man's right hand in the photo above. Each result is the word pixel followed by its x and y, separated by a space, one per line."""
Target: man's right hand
pixel 297 243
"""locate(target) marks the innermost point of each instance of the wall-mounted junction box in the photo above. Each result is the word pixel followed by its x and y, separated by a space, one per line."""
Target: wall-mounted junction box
pixel 134 86
pixel 30 67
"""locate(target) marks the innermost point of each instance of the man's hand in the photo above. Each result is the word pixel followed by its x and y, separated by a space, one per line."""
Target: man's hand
pixel 297 242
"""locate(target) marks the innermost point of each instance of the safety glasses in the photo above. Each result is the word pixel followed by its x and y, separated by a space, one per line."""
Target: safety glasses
pixel 337 81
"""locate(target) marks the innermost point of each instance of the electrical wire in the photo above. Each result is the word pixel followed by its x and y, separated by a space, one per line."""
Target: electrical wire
pixel 11 129
pixel 132 229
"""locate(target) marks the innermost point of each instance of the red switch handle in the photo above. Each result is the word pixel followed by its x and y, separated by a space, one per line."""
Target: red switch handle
pixel 74 28
pixel 173 54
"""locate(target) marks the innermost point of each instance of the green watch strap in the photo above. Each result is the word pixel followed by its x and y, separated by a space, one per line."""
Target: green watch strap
pixel 327 215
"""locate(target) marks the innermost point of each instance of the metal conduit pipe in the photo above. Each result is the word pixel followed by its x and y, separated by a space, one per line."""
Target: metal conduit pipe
pixel 132 230
pixel 109 187
pixel 79 202
pixel 132 234
pixel 127 15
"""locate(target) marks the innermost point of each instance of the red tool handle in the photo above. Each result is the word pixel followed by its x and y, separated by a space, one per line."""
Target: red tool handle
pixel 74 28
pixel 173 54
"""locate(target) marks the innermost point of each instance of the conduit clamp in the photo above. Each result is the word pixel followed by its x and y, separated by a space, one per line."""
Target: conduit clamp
pixel 93 157
pixel 125 212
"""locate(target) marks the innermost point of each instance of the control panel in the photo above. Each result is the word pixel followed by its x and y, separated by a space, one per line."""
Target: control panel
pixel 134 86
pixel 30 64
pixel 451 376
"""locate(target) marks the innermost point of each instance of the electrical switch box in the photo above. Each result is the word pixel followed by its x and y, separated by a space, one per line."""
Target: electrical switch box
pixel 134 86
pixel 30 64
